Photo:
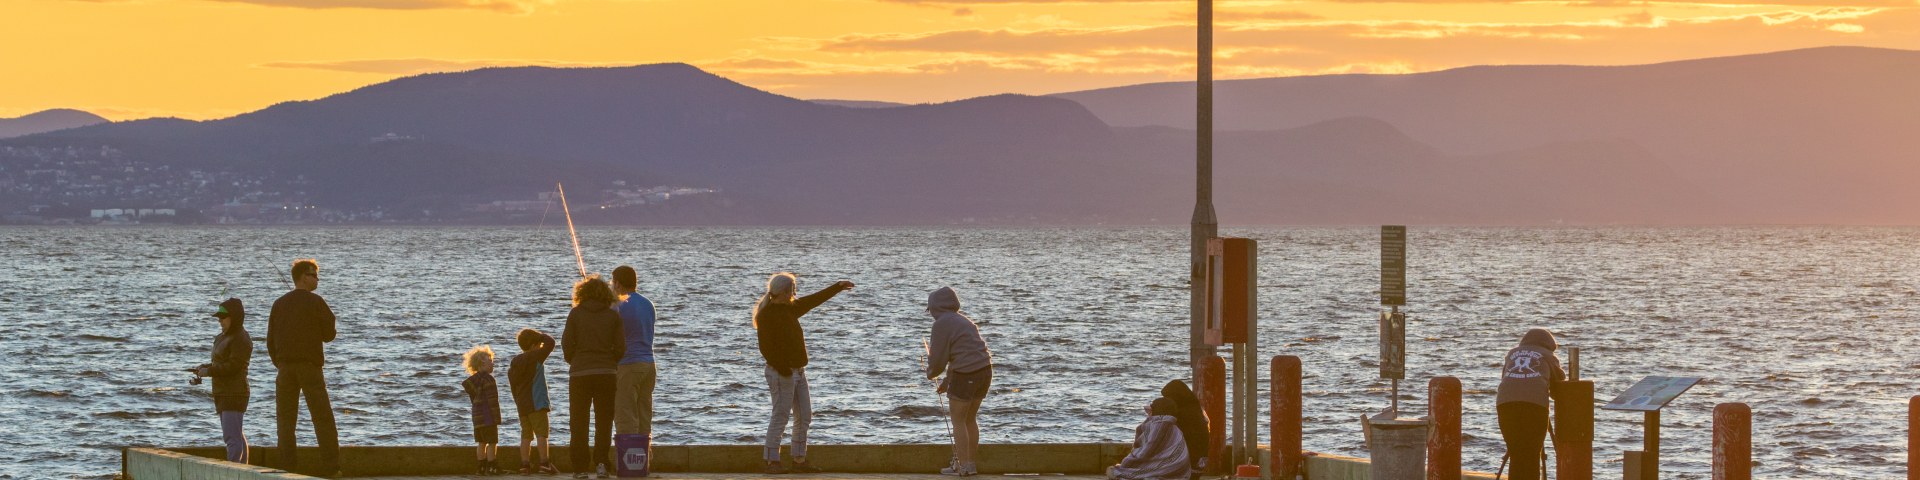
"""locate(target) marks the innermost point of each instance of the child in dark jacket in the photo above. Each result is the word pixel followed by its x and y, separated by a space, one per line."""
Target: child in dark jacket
pixel 485 395
pixel 527 379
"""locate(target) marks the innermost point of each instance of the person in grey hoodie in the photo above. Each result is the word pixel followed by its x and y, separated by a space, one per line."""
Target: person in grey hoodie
pixel 1527 378
pixel 956 347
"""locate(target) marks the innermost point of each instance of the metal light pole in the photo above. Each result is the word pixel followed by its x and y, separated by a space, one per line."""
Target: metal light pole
pixel 1205 225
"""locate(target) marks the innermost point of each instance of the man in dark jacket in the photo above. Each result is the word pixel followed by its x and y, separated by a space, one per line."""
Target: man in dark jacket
pixel 1527 378
pixel 296 327
pixel 232 351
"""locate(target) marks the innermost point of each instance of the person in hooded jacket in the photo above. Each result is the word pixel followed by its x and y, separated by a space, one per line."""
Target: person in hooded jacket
pixel 592 344
pixel 956 346
pixel 232 352
pixel 1159 451
pixel 1192 421
pixel 783 344
pixel 1527 378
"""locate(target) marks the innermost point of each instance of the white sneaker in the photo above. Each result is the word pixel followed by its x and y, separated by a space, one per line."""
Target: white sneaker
pixel 960 470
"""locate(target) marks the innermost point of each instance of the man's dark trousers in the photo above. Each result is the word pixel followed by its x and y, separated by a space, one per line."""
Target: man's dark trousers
pixel 295 379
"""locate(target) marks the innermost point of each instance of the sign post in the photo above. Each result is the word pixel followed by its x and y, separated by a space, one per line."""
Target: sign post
pixel 1397 445
pixel 1393 293
pixel 1649 396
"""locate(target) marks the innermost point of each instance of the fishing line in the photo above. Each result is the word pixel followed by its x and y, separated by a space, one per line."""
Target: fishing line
pixel 570 231
pixel 925 352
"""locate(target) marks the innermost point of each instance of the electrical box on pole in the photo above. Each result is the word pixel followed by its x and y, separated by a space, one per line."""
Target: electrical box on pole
pixel 1232 293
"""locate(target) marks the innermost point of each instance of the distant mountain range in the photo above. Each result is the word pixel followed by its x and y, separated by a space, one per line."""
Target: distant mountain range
pixel 1822 135
pixel 1803 136
pixel 46 121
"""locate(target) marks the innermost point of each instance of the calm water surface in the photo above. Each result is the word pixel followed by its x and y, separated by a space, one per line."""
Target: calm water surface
pixel 1811 326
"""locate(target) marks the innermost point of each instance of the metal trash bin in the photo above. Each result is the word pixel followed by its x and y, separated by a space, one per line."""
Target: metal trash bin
pixel 1398 446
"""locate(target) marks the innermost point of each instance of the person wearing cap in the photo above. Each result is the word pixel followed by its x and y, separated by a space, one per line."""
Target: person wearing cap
pixel 232 351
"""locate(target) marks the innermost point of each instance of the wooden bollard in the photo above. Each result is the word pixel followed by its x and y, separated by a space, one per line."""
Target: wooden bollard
pixel 1732 442
pixel 1573 430
pixel 1287 455
pixel 1443 416
pixel 1213 398
pixel 1913 436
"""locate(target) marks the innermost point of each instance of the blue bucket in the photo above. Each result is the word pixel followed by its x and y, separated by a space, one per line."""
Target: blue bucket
pixel 631 450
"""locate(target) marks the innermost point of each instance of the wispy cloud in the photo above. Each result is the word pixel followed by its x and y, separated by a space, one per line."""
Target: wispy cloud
pixel 1240 16
pixel 499 6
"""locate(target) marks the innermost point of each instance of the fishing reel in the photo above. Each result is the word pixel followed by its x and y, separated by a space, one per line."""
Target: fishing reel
pixel 194 379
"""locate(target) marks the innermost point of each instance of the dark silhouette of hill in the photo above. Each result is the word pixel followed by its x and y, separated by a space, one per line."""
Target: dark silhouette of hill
pixel 1821 135
pixel 46 121
pixel 857 103
pixel 996 159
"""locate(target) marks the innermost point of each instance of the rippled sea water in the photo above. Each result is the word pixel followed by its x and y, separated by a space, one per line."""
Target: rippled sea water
pixel 1811 326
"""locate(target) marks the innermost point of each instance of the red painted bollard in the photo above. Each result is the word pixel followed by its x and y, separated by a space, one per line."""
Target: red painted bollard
pixel 1288 458
pixel 1443 441
pixel 1732 442
pixel 1913 435
pixel 1213 398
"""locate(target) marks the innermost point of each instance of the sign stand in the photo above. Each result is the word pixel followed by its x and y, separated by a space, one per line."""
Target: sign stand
pixel 1649 396
pixel 1393 294
pixel 1398 446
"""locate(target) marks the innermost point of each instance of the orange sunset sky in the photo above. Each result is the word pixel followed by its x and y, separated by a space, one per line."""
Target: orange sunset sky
pixel 213 58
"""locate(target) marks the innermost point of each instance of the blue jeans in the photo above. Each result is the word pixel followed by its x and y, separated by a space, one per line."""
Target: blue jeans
pixel 230 431
pixel 789 397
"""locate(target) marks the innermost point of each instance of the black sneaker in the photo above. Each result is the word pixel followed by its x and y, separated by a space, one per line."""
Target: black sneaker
pixel 775 468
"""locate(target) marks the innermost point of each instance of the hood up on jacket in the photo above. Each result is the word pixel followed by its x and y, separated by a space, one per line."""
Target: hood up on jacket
pixel 943 300
pixel 1540 337
pixel 235 313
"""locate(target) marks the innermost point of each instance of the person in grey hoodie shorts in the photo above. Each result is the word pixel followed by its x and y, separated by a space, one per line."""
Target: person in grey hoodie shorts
pixel 956 347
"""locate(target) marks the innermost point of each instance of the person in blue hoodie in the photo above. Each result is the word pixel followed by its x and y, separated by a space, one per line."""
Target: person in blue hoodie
pixel 956 348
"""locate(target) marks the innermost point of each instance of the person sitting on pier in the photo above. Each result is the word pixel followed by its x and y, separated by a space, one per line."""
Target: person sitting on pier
pixel 1527 378
pixel 1192 421
pixel 783 344
pixel 527 380
pixel 956 343
pixel 485 396
pixel 232 351
pixel 1159 452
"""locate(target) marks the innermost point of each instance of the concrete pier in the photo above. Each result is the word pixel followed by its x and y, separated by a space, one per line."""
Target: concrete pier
pixel 1070 461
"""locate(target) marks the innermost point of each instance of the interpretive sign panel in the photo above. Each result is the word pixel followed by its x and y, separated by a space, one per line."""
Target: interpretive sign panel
pixel 1651 394
pixel 1393 265
pixel 1393 345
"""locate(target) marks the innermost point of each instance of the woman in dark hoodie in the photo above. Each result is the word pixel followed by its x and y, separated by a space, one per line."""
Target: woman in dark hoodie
pixel 1527 378
pixel 1192 421
pixel 232 351
pixel 592 345
pixel 776 321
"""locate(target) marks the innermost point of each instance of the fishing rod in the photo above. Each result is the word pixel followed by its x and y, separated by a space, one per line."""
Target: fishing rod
pixel 926 351
pixel 582 260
